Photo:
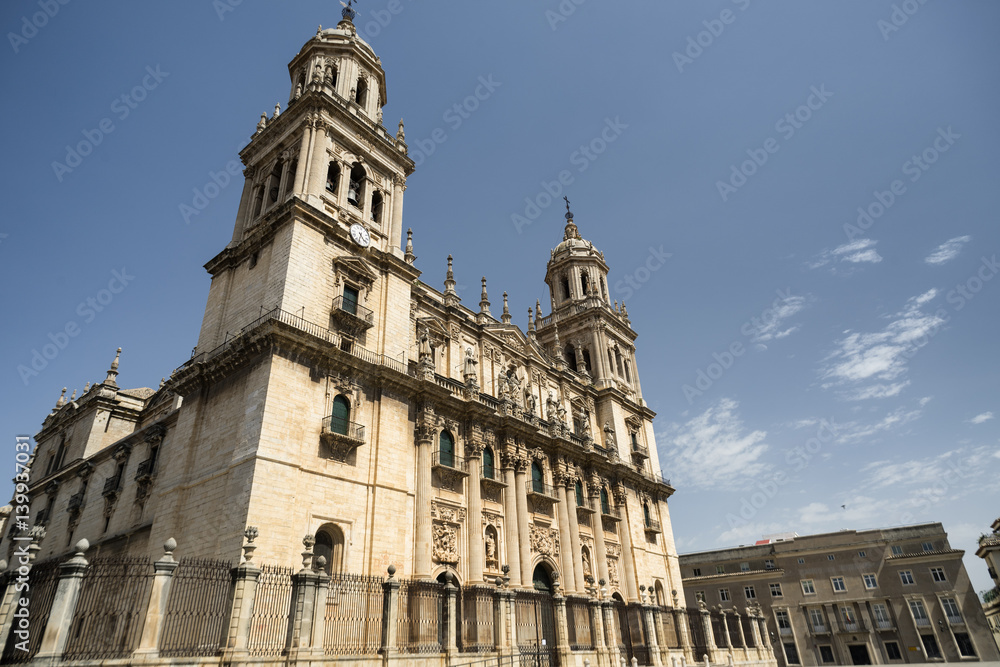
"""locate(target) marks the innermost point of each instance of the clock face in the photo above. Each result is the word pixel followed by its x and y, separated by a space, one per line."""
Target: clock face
pixel 360 235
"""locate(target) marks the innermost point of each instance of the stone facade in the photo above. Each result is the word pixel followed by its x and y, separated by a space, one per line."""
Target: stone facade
pixel 989 551
pixel 335 393
pixel 896 595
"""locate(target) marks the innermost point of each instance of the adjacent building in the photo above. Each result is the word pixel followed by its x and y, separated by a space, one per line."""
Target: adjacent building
pixel 989 550
pixel 895 595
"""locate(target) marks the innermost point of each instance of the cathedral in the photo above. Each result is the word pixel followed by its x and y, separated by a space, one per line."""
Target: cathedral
pixel 334 393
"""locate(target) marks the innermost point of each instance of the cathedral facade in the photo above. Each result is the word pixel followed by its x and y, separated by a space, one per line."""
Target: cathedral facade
pixel 335 394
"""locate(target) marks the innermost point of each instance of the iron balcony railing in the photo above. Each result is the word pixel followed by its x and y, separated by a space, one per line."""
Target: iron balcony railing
pixel 75 502
pixel 354 309
pixel 611 513
pixel 447 459
pixel 653 526
pixel 883 625
pixel 923 621
pixel 541 490
pixel 110 485
pixel 639 449
pixel 955 620
pixel 851 626
pixel 144 471
pixel 785 631
pixel 337 426
pixel 819 629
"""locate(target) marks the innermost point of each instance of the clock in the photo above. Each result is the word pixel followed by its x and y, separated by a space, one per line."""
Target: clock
pixel 360 235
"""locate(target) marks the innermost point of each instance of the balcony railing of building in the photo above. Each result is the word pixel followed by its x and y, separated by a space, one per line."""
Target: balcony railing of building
pixel 350 314
pixel 144 471
pixel 884 625
pixel 111 485
pixel 820 629
pixel 340 428
pixel 639 450
pixel 652 526
pixel 447 460
pixel 611 513
pixel 75 502
pixel 851 626
pixel 785 631
pixel 537 490
pixel 923 621
pixel 991 595
pixel 956 620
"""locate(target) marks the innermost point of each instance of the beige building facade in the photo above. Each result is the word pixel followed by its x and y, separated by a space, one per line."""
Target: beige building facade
pixel 989 551
pixel 895 595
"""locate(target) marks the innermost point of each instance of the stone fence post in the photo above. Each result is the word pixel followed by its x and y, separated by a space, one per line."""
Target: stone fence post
pixel 159 593
pixel 305 584
pixel 390 612
pixel 23 556
pixel 245 578
pixel 562 626
pixel 63 605
pixel 450 614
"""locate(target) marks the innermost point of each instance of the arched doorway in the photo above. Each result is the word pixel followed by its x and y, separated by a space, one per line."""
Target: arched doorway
pixel 541 578
pixel 535 618
pixel 330 545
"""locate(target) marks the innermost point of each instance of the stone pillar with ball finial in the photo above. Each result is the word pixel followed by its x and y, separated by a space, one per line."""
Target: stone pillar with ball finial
pixel 159 593
pixel 245 577
pixel 63 608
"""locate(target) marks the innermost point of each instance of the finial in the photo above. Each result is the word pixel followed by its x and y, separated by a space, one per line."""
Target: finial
pixel 163 381
pixel 391 570
pixel 531 319
pixel 250 534
pixel 401 133
pixel 451 297
pixel 484 300
pixel 506 311
pixel 569 213
pixel 348 12
pixel 113 371
pixel 409 256
pixel 319 30
pixel 262 123
pixel 86 388
pixel 277 110
pixel 62 399
pixel 538 308
pixel 73 397
pixel 168 548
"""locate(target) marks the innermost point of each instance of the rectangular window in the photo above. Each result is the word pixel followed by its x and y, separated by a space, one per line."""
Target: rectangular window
pixel 870 581
pixel 830 557
pixel 906 576
pixel 769 564
pixel 897 550
pixel 847 615
pixel 802 561
pixel 349 303
pixel 744 567
pixel 784 623
pixel 807 587
pixel 775 590
pixel 817 620
pixel 927 546
pixel 861 554
pixel 919 613
pixel 937 574
pixel 881 612
pixel 791 653
pixel 720 569
pixel 965 646
pixel 892 650
pixel 697 571
pixel 838 584
pixel 826 653
pixel 951 610
pixel 724 594
pixel 931 650
pixel 749 593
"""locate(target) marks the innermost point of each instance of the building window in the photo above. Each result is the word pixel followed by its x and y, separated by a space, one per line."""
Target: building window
pixel 807 587
pixel 897 550
pixel 744 567
pixel 749 592
pixel 937 574
pixel 537 478
pixel 892 651
pixel 376 212
pixel 838 584
pixel 356 186
pixel 341 417
pixel 870 581
pixel 931 650
pixel 951 610
pixel 862 554
pixel 919 613
pixel 830 557
pixel 817 620
pixel 606 509
pixel 724 594
pixel 769 564
pixel 720 569
pixel 826 653
pixel 584 284
pixel 361 91
pixel 489 469
pixel 330 545
pixel 333 177
pixel 349 304
pixel 579 493
pixel 850 620
pixel 881 612
pixel 906 576
pixel 775 590
pixel 645 515
pixel 784 623
pixel 791 653
pixel 802 561
pixel 565 287
pixel 446 449
pixel 927 546
pixel 965 646
pixel 697 571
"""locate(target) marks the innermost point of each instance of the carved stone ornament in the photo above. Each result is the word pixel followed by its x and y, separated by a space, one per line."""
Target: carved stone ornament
pixel 492 519
pixel 445 543
pixel 613 571
pixel 447 513
pixel 614 551
pixel 155 434
pixel 122 452
pixel 544 540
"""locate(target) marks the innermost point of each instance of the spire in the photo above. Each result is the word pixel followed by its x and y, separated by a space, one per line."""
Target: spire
pixel 505 318
pixel 484 300
pixel 73 397
pixel 571 230
pixel 538 309
pixel 409 256
pixel 451 297
pixel 531 321
pixel 401 133
pixel 113 371
pixel 62 399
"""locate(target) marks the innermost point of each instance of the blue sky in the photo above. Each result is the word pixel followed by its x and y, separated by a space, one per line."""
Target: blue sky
pixel 820 345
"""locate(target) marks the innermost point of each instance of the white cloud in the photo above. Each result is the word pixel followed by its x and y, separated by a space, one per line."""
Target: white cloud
pixel 925 400
pixel 935 475
pixel 714 449
pixel 861 251
pixel 870 365
pixel 947 251
pixel 984 417
pixel 768 326
pixel 853 431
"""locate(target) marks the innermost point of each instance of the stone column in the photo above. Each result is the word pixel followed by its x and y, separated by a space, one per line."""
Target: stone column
pixel 156 611
pixel 523 535
pixel 245 577
pixel 304 147
pixel 574 533
pixel 610 629
pixel 450 644
pixel 60 619
pixel 599 358
pixel 724 626
pixel 743 636
pixel 706 624
pixel 651 641
pixel 683 630
pixel 602 551
pixel 477 559
pixel 508 638
pixel 628 558
pixel 396 226
pixel 305 583
pixel 390 612
pixel 510 525
pixel 566 541
pixel 318 163
pixel 597 623
pixel 562 627
pixel 424 543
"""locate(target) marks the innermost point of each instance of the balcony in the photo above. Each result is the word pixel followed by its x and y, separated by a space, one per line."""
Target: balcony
pixel 111 486
pixel 145 471
pixel 885 626
pixel 820 630
pixel 639 451
pixel 351 317
pixel 341 437
pixel 42 518
pixel 956 620
pixel 541 492
pixel 851 626
pixel 922 622
pixel 75 502
pixel 611 514
pixel 449 462
pixel 787 632
pixel 653 527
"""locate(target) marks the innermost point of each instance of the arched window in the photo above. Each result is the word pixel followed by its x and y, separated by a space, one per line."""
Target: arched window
pixel 579 493
pixel 628 375
pixel 333 177
pixel 645 515
pixel 618 359
pixel 660 597
pixel 584 283
pixel 605 505
pixel 565 287
pixel 570 355
pixel 376 212
pixel 356 188
pixel 586 360
pixel 446 449
pixel 331 76
pixel 274 182
pixel 489 471
pixel 330 545
pixel 604 289
pixel 537 478
pixel 341 416
pixel 258 202
pixel 361 92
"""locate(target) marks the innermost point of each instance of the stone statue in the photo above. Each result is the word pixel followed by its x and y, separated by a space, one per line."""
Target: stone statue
pixel 424 345
pixel 469 367
pixel 609 436
pixel 514 384
pixel 551 407
pixel 587 433
pixel 491 551
pixel 529 401
pixel 586 563
pixel 502 391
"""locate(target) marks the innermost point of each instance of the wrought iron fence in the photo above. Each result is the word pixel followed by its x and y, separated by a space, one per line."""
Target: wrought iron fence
pixel 581 637
pixel 418 623
pixel 478 634
pixel 198 608
pixel 271 606
pixel 111 608
pixel 42 581
pixel 353 618
pixel 699 642
pixel 748 630
pixel 535 623
pixel 631 635
pixel 671 631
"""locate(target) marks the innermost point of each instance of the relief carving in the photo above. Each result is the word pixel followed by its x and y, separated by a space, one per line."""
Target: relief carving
pixel 445 543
